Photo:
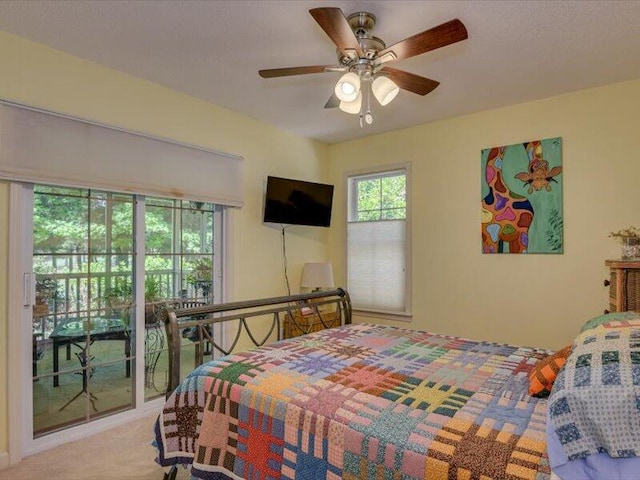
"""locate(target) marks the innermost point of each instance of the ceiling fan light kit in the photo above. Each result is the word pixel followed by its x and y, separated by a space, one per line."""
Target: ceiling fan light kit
pixel 352 107
pixel 364 58
pixel 348 87
pixel 384 90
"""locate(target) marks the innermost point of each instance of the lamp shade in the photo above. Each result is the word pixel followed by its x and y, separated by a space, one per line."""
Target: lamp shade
pixel 317 275
pixel 352 107
pixel 384 89
pixel 348 87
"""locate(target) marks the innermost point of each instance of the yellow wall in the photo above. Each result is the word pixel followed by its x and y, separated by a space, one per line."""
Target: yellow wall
pixel 539 300
pixel 36 75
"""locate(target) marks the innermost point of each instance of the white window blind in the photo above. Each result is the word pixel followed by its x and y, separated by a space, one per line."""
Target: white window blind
pixel 378 277
pixel 42 147
pixel 376 265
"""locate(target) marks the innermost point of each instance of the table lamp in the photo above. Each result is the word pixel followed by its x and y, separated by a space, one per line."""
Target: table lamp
pixel 317 275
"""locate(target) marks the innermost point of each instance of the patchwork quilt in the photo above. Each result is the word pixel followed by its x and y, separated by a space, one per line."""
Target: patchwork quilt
pixel 360 402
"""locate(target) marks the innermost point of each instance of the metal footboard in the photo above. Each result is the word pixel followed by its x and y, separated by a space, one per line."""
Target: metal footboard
pixel 197 323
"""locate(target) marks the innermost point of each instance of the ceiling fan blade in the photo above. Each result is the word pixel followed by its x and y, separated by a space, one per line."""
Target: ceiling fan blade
pixel 411 82
pixel 284 72
pixel 335 25
pixel 437 37
pixel 333 101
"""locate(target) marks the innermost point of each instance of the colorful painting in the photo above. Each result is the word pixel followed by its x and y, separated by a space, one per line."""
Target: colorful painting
pixel 522 198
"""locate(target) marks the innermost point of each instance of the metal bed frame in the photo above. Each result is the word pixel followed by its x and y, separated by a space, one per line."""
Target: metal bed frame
pixel 196 323
pixel 199 322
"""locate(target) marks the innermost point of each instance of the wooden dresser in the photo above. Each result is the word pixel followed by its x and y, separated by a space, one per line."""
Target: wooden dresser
pixel 299 324
pixel 624 285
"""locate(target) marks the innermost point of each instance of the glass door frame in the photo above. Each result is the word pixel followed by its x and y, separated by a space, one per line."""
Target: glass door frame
pixel 21 297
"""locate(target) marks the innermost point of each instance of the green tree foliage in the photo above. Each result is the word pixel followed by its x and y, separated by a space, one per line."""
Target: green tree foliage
pixel 93 232
pixel 158 222
pixel 382 198
pixel 59 221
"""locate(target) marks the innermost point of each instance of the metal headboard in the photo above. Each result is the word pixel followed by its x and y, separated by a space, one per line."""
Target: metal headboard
pixel 198 322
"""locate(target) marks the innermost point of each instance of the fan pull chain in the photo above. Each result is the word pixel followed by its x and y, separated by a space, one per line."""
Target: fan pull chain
pixel 368 118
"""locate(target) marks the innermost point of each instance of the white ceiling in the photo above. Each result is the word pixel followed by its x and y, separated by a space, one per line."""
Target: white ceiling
pixel 516 51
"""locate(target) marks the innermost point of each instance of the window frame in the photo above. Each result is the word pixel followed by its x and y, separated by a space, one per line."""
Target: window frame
pixel 21 438
pixel 350 180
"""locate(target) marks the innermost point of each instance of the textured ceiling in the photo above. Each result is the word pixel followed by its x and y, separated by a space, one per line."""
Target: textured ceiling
pixel 516 51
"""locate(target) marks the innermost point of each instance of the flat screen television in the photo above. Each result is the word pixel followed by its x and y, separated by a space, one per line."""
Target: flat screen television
pixel 295 202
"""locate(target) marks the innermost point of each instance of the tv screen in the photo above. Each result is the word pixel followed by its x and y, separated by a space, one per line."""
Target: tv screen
pixel 296 202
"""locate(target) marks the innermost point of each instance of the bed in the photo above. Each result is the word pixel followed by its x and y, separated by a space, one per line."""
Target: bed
pixel 353 402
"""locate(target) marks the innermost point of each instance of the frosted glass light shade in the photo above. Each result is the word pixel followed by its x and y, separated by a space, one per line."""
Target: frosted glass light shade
pixel 317 275
pixel 352 107
pixel 384 90
pixel 348 87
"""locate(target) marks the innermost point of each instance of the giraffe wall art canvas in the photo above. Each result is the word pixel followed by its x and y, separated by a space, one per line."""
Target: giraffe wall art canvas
pixel 522 197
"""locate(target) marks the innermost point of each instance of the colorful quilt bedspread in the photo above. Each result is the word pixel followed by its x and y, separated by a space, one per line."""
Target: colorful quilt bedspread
pixel 360 402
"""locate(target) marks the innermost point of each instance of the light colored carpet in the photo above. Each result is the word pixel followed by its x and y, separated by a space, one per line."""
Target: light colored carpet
pixel 124 453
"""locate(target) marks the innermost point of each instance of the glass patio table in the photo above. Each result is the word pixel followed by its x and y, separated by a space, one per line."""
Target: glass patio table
pixel 74 331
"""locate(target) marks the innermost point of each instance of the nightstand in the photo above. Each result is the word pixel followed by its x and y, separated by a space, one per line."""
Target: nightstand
pixel 300 324
pixel 624 285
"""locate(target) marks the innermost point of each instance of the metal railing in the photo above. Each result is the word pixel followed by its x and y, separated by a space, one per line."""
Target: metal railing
pixel 82 295
pixel 199 322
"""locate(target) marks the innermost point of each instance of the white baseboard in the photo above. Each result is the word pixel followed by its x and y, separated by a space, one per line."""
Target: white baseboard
pixel 4 460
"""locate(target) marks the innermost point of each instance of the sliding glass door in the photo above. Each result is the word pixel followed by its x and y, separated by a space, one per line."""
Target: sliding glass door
pixel 84 318
pixel 83 343
pixel 182 269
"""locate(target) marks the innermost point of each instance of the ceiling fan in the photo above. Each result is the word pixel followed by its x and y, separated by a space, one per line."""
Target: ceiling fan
pixel 364 58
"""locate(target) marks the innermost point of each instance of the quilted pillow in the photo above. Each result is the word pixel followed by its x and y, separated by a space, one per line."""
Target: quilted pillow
pixel 545 371
pixel 610 317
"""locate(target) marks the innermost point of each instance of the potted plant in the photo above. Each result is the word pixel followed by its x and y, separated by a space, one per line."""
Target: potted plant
pixel 151 296
pixel 120 298
pixel 630 241
pixel 47 292
pixel 200 276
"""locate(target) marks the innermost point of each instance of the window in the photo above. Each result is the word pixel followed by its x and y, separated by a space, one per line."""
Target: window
pixel 83 346
pixel 378 242
pixel 182 267
pixel 85 364
pixel 96 279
